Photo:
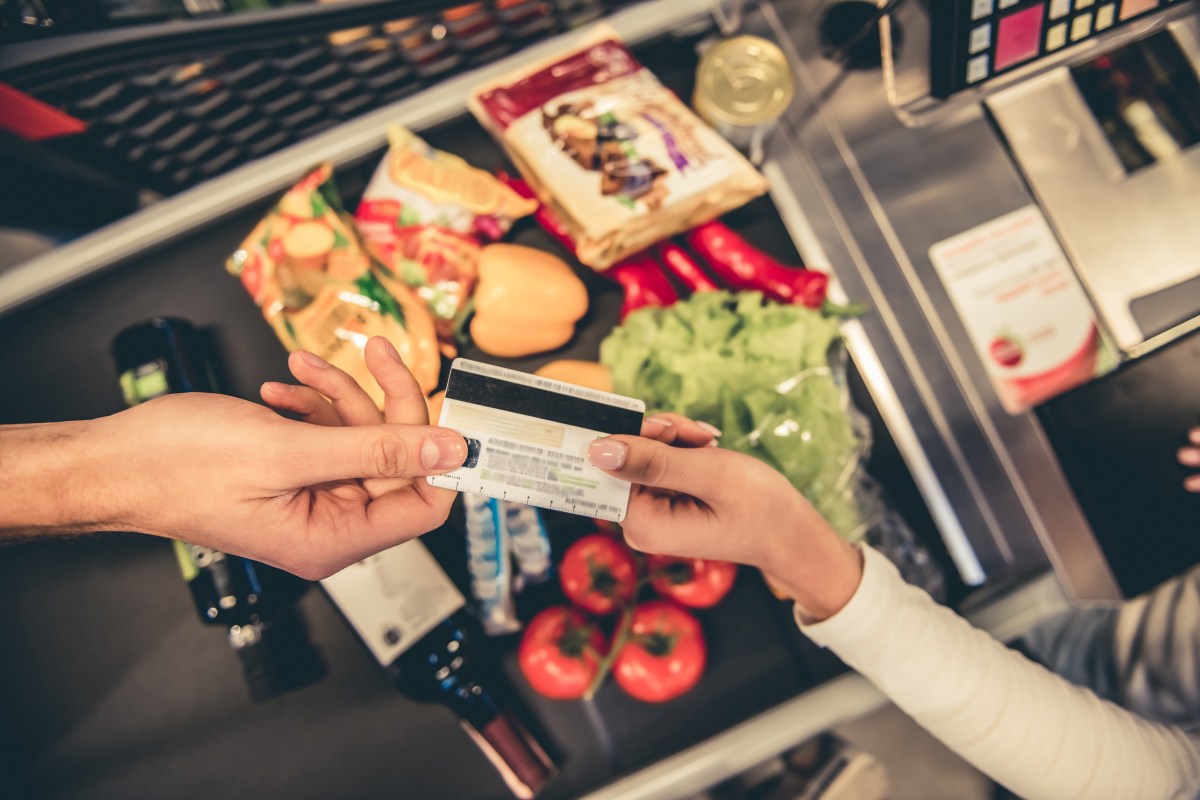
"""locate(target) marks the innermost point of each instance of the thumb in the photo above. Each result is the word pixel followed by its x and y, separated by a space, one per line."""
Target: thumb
pixel 650 463
pixel 317 453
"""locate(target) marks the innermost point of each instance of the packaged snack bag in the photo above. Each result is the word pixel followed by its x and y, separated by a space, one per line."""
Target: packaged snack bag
pixel 611 151
pixel 425 212
pixel 307 270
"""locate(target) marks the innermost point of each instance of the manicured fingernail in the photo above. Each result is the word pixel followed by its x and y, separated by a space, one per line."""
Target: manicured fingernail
pixel 1192 484
pixel 607 453
pixel 312 359
pixel 391 351
pixel 713 429
pixel 443 452
pixel 1194 436
pixel 713 443
pixel 1189 456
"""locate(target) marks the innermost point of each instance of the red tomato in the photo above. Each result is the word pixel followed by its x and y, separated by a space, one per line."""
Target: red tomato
pixel 664 655
pixel 693 582
pixel 560 653
pixel 598 573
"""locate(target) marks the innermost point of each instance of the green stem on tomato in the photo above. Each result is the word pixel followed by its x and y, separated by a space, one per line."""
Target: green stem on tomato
pixel 619 638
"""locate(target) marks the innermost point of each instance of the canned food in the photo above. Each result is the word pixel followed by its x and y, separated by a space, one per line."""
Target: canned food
pixel 743 85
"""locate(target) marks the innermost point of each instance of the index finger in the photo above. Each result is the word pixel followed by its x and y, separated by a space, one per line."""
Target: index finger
pixel 403 400
pixel 671 428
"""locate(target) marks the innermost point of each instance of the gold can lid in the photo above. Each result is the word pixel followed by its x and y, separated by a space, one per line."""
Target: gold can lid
pixel 744 81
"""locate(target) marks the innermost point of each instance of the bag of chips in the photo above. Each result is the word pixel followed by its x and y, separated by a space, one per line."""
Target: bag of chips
pixel 611 151
pixel 319 289
pixel 425 213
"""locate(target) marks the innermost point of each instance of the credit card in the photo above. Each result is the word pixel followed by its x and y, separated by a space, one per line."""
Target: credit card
pixel 527 438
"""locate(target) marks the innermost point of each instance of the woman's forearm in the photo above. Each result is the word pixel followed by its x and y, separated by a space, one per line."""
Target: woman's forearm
pixel 55 479
pixel 1021 724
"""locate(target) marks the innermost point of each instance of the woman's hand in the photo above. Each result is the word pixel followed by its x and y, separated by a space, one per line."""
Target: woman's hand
pixel 234 476
pixel 705 502
pixel 1190 457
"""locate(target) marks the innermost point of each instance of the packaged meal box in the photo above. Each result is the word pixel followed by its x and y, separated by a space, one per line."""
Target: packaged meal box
pixel 425 213
pixel 611 150
pixel 307 270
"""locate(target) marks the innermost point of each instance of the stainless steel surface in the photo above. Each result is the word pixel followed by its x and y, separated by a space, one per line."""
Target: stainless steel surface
pixel 866 360
pixel 261 179
pixel 878 194
pixel 1128 235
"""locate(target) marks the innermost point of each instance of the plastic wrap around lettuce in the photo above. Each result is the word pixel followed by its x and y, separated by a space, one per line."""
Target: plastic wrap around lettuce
pixel 770 376
pixel 318 288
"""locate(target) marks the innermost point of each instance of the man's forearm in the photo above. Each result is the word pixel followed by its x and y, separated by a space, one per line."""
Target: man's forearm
pixel 54 479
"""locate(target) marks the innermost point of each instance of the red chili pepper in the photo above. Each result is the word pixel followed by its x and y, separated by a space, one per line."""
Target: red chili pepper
pixel 642 278
pixel 680 264
pixel 517 185
pixel 743 266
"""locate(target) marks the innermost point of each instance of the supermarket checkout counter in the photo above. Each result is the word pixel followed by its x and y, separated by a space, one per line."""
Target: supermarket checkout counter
pixel 114 690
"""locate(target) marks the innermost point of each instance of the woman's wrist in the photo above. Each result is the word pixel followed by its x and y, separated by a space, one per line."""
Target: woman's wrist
pixel 58 478
pixel 814 566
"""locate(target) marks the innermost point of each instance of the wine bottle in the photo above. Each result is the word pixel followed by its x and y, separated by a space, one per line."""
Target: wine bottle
pixel 411 618
pixel 255 603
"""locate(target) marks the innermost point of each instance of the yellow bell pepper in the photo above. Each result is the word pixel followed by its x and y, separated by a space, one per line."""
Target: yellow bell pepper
pixel 526 301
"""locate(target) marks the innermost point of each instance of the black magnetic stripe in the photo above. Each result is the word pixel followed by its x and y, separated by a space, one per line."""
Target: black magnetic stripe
pixel 471 387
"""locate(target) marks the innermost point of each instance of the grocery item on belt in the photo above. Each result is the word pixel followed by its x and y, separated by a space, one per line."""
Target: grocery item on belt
pixel 317 286
pixel 616 155
pixel 527 301
pixel 640 275
pixel 743 266
pixel 590 374
pixel 489 561
pixel 425 213
pixel 743 85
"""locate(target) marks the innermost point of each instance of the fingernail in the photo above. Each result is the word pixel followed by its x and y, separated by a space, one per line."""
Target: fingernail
pixel 713 429
pixel 443 452
pixel 274 386
pixel 1194 435
pixel 312 359
pixel 1189 456
pixel 1192 484
pixel 607 453
pixel 713 443
pixel 391 351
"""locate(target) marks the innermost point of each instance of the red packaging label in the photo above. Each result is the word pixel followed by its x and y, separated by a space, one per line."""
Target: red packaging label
pixel 600 63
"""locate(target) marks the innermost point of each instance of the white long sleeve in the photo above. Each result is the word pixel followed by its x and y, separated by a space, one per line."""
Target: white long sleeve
pixel 1026 727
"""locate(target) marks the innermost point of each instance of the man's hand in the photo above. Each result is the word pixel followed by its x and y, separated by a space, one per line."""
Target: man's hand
pixel 237 477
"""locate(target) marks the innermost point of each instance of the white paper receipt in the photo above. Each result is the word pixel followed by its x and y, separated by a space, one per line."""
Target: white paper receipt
pixel 527 438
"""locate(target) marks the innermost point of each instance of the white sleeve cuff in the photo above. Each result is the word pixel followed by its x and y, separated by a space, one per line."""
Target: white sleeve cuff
pixel 867 609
